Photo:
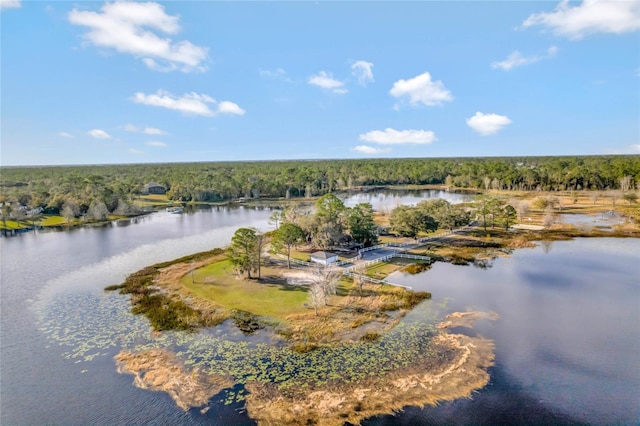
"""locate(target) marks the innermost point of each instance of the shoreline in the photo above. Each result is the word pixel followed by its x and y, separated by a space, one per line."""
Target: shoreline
pixel 567 207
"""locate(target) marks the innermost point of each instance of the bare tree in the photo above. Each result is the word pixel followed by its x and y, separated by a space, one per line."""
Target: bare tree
pixel 358 279
pixel 316 295
pixel 522 208
pixel 487 182
pixel 98 211
pixel 327 279
pixel 125 208
pixel 549 217
pixel 496 184
pixel 626 183
pixel 70 210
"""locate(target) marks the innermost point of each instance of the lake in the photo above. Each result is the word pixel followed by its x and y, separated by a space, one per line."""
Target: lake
pixel 568 337
pixel 567 341
pixel 387 200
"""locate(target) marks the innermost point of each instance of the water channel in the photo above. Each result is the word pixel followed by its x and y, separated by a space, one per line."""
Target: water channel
pixel 567 341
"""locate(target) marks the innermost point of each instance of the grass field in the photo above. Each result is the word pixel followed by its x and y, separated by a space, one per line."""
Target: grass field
pixel 12 224
pixel 153 200
pixel 300 255
pixel 383 269
pixel 218 283
pixel 53 221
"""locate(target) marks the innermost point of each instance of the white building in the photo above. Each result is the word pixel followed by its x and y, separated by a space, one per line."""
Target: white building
pixel 324 258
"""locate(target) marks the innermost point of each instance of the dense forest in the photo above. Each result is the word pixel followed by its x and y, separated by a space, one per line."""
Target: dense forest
pixel 114 186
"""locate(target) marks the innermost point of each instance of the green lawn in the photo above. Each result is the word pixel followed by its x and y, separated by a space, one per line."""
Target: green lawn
pixel 53 221
pixel 222 287
pixel 300 255
pixel 382 270
pixel 152 200
pixel 45 221
pixel 11 224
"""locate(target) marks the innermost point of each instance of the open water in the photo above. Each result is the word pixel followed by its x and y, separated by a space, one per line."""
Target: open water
pixel 567 341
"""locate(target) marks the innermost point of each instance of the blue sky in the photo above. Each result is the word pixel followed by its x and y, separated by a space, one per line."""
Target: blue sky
pixel 127 82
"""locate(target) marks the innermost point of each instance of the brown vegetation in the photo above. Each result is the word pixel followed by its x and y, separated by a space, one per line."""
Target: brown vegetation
pixel 160 370
pixel 459 370
pixel 465 319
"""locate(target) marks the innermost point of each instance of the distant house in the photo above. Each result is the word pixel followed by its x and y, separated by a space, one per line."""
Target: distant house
pixel 154 188
pixel 324 258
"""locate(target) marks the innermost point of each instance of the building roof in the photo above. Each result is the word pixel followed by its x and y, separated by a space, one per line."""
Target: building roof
pixel 150 184
pixel 323 255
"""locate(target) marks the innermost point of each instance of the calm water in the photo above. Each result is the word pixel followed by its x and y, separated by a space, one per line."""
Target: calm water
pixel 568 337
pixel 385 201
pixel 567 340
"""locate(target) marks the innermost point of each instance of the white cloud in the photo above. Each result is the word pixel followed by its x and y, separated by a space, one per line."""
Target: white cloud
pixel 421 90
pixel 395 137
pixel 135 151
pixel 99 134
pixel 366 149
pixel 487 124
pixel 65 135
pixel 277 74
pixel 10 4
pixel 226 107
pixel 153 131
pixel 627 150
pixel 590 17
pixel 362 71
pixel 190 103
pixel 146 130
pixel 128 27
pixel 159 144
pixel 515 59
pixel 326 81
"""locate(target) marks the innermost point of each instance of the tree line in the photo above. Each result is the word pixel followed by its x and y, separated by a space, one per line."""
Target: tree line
pixel 115 186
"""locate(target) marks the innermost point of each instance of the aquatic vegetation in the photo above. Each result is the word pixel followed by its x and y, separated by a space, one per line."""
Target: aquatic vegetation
pixel 97 325
pixel 160 370
pixel 466 319
pixel 416 268
pixel 458 369
pixel 387 360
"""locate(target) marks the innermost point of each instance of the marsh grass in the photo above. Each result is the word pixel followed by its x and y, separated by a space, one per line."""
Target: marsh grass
pixel 163 311
pixel 478 247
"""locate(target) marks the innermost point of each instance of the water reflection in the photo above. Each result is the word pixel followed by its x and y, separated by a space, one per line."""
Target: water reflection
pixel 385 201
pixel 569 322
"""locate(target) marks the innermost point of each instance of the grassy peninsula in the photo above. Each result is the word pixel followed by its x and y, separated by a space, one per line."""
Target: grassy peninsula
pixel 344 355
